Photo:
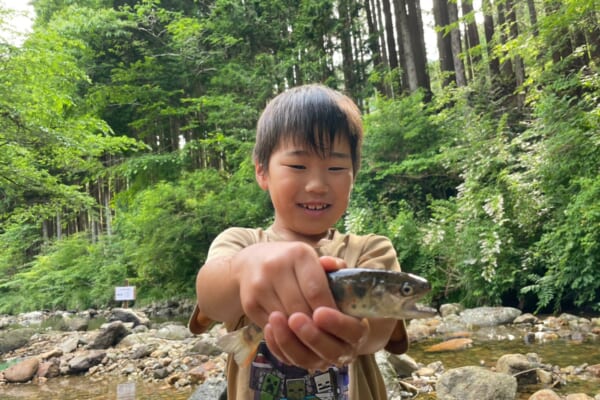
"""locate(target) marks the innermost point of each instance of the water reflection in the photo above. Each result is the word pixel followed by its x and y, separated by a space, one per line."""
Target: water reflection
pixel 84 388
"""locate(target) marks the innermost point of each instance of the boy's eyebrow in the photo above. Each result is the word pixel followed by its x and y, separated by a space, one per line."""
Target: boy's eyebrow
pixel 334 154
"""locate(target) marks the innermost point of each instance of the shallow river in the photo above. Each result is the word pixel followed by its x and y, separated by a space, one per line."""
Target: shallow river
pixel 561 353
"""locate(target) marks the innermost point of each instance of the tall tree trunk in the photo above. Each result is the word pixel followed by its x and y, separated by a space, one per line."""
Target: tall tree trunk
pixel 390 36
pixel 488 24
pixel 405 51
pixel 444 43
pixel 519 68
pixel 373 39
pixel 472 36
pixel 532 17
pixel 389 90
pixel 417 37
pixel 345 36
pixel 459 66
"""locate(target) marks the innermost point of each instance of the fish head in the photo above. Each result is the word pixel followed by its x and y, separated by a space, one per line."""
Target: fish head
pixel 375 293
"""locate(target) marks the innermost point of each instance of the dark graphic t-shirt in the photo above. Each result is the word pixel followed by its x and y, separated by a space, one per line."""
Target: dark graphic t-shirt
pixel 272 380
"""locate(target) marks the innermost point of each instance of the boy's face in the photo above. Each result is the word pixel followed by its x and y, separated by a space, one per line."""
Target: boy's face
pixel 309 193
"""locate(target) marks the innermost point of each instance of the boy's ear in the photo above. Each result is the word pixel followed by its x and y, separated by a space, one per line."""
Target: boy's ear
pixel 260 173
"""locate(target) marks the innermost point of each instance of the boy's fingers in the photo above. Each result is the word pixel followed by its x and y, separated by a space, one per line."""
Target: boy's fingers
pixel 330 263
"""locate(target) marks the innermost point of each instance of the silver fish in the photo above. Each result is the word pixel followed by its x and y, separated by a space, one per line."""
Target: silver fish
pixel 359 292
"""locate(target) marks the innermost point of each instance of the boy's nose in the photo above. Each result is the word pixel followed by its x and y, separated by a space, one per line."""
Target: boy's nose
pixel 317 183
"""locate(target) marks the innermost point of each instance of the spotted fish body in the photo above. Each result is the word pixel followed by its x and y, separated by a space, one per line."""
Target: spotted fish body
pixel 360 292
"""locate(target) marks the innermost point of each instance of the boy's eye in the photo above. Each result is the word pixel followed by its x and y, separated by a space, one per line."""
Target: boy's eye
pixel 337 168
pixel 296 166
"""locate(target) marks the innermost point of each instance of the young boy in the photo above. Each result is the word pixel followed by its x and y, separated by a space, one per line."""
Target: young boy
pixel 307 154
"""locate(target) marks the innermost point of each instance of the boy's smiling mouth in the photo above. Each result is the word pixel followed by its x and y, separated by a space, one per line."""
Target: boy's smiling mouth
pixel 315 207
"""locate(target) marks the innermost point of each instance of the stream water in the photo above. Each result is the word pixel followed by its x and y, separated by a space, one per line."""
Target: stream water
pixel 562 353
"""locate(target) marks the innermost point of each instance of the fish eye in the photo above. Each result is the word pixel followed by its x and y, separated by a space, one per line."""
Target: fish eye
pixel 407 289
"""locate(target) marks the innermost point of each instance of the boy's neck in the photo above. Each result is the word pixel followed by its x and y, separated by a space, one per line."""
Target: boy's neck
pixel 290 236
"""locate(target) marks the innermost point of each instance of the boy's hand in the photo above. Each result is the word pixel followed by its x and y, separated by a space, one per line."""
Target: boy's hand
pixel 286 277
pixel 328 338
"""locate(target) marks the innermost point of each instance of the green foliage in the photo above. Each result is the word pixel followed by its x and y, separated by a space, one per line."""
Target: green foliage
pixel 71 274
pixel 167 228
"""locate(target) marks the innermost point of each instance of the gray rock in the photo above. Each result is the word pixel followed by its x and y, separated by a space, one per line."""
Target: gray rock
pixel 450 309
pixel 403 364
pixel 128 315
pixel 210 389
pixel 545 394
pixel 33 318
pixel 475 383
pixel 206 348
pixel 69 345
pixel 85 361
pixel 14 339
pixel 490 316
pixel 173 332
pixel 519 366
pixel 110 335
pixel 75 323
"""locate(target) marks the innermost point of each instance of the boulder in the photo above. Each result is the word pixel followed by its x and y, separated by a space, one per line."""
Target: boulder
pixel 489 316
pixel 85 361
pixel 475 383
pixel 23 371
pixel 110 335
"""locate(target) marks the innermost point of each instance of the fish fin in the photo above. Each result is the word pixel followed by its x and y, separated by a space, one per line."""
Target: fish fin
pixel 242 344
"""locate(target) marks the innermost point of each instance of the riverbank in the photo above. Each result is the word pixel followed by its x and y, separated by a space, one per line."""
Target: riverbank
pixel 123 344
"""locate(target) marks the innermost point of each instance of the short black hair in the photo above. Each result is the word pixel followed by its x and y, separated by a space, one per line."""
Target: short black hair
pixel 313 116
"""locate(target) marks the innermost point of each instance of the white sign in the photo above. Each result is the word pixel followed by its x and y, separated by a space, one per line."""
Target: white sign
pixel 124 293
pixel 126 391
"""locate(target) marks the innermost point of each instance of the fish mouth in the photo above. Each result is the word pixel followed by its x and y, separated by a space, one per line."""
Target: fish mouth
pixel 413 310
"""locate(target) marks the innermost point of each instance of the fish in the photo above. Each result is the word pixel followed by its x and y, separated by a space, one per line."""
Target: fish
pixel 359 292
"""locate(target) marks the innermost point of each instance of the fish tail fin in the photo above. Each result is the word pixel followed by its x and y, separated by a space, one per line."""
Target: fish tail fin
pixel 243 344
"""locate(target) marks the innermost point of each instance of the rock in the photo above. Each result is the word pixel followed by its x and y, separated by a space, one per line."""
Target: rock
pixel 34 318
pixel 210 389
pixel 526 319
pixel 489 316
pixel 48 369
pixel 544 394
pixel 14 339
pixel 206 348
pixel 69 345
pixel 109 336
pixel 403 364
pixel 544 377
pixel 174 332
pixel 128 315
pixel 419 329
pixel 450 324
pixel 7 321
pixel 519 366
pixel 85 361
pixel 23 371
pixel 594 370
pixel 75 323
pixel 450 309
pixel 475 383
pixel 450 345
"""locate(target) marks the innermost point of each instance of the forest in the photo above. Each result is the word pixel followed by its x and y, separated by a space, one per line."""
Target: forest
pixel 126 130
